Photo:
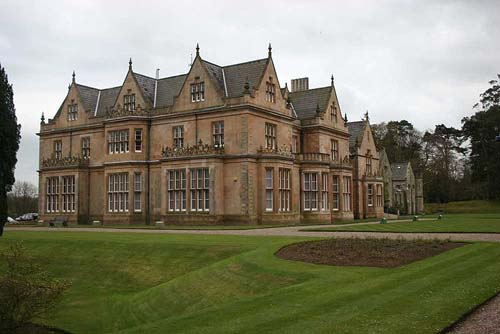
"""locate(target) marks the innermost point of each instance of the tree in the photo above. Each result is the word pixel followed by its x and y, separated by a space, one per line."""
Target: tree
pixel 27 292
pixel 22 199
pixel 481 130
pixel 9 138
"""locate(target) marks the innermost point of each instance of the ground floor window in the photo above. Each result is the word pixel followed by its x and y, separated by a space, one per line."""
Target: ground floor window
pixel 137 192
pixel 346 193
pixel 370 195
pixel 269 189
pixel 177 190
pixel 310 191
pixel 68 194
pixel 284 189
pixel 118 192
pixel 52 194
pixel 324 192
pixel 200 182
pixel 380 201
pixel 336 195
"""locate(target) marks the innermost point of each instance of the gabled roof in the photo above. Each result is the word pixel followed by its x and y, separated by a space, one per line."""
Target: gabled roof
pixel 88 96
pixel 107 100
pixel 215 71
pixel 238 74
pixel 399 170
pixel 147 86
pixel 356 131
pixel 167 89
pixel 306 102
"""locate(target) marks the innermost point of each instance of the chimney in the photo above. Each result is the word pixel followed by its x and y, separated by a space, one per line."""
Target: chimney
pixel 300 84
pixel 157 73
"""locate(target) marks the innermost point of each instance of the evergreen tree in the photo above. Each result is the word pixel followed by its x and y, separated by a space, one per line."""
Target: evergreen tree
pixel 9 143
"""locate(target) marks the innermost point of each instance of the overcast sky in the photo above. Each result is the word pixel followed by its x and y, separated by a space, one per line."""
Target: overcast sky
pixel 423 61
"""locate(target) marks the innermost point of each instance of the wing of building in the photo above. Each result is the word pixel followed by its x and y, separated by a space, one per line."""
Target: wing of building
pixel 216 145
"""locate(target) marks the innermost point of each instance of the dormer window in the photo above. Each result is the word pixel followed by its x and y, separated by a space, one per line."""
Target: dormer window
pixel 129 102
pixel 72 112
pixel 198 92
pixel 270 90
pixel 333 111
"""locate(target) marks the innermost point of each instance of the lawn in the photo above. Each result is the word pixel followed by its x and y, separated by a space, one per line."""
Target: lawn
pixel 472 223
pixel 157 283
pixel 476 206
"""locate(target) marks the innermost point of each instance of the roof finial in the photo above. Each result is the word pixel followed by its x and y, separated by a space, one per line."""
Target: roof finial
pixel 367 118
pixel 247 86
pixel 345 118
pixel 130 64
pixel 197 49
pixel 73 75
pixel 42 118
pixel 317 108
pixel 332 80
pixel 270 50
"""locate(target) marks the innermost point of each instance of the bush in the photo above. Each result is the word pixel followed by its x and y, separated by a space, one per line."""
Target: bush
pixel 27 292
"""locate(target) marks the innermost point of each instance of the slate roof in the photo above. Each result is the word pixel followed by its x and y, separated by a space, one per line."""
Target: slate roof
pixel 107 100
pixel 168 88
pixel 147 86
pixel 238 74
pixel 307 101
pixel 89 96
pixel 356 131
pixel 216 72
pixel 399 170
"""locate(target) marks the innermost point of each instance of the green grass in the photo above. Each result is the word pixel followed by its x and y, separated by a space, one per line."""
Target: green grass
pixel 464 207
pixel 471 223
pixel 157 283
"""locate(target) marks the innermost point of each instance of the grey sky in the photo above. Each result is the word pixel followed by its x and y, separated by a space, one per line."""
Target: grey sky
pixel 424 61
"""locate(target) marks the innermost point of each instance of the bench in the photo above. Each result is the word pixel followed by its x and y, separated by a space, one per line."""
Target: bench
pixel 60 221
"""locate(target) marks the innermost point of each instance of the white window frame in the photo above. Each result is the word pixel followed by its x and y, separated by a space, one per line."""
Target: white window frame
pixel 324 192
pixel 310 191
pixel 336 192
pixel 284 189
pixel 138 140
pixel 200 189
pixel 178 136
pixel 176 188
pixel 269 186
pixel 218 134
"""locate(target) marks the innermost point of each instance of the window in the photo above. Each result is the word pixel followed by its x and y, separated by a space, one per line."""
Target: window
pixel 138 140
pixel 370 195
pixel 198 92
pixel 369 165
pixel 52 194
pixel 86 147
pixel 68 194
pixel 58 149
pixel 200 185
pixel 118 141
pixel 270 91
pixel 333 112
pixel 269 189
pixel 177 190
pixel 324 192
pixel 347 193
pixel 310 191
pixel 118 192
pixel 178 136
pixel 284 189
pixel 218 134
pixel 295 144
pixel 335 149
pixel 380 201
pixel 137 192
pixel 271 136
pixel 129 102
pixel 72 112
pixel 335 184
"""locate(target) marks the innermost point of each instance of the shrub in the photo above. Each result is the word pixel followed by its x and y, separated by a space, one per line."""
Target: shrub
pixel 27 292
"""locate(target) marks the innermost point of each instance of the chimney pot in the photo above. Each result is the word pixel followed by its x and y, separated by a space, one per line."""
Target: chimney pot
pixel 300 84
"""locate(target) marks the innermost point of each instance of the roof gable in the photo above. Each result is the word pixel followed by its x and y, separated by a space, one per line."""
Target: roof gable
pixel 137 84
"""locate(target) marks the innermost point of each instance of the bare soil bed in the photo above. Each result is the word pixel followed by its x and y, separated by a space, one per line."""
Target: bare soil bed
pixel 384 253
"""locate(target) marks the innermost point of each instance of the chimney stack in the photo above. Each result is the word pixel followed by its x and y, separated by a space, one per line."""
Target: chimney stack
pixel 300 84
pixel 157 73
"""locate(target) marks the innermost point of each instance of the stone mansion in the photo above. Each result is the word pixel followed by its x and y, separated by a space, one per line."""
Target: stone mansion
pixel 217 145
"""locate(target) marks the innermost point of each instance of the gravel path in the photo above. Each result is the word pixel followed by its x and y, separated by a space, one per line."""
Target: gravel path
pixel 484 320
pixel 282 231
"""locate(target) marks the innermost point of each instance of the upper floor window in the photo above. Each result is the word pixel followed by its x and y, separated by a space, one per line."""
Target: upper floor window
pixel 218 134
pixel 86 147
pixel 129 102
pixel 118 141
pixel 369 165
pixel 271 136
pixel 178 132
pixel 72 112
pixel 198 92
pixel 58 149
pixel 335 149
pixel 270 91
pixel 295 144
pixel 138 140
pixel 333 112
